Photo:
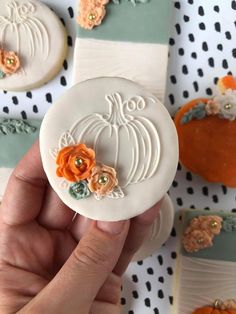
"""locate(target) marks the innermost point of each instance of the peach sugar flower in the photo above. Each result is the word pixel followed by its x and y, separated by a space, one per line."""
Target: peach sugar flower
pixel 201 232
pixel 91 13
pixel 212 108
pixel 75 162
pixel 9 62
pixel 102 180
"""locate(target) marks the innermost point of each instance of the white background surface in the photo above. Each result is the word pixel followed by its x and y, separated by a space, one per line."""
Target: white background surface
pixel 196 40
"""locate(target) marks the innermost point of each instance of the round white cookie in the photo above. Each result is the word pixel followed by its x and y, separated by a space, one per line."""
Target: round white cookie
pixel 33 31
pixel 129 130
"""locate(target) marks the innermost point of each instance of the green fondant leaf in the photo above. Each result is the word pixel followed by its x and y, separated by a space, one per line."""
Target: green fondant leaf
pixel 134 2
pixel 198 112
pixel 15 126
pixel 2 74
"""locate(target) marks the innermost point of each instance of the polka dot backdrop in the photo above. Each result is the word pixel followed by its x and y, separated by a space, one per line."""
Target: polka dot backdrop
pixel 202 48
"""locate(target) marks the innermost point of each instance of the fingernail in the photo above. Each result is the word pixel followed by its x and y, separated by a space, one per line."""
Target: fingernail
pixel 111 227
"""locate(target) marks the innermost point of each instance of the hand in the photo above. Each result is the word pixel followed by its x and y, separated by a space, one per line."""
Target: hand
pixel 54 262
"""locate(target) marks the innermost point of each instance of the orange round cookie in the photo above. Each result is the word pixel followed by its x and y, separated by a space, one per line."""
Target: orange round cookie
pixel 208 146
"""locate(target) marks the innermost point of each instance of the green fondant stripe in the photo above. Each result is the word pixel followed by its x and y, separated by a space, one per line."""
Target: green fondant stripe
pixel 143 23
pixel 14 146
pixel 223 248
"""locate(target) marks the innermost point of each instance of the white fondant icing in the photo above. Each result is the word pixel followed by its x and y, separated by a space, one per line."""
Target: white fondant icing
pixel 82 102
pixel 143 63
pixel 5 174
pixel 203 281
pixel 36 34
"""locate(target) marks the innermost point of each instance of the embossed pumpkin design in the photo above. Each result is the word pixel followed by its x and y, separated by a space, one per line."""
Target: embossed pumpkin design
pixel 208 145
pixel 128 143
pixel 21 23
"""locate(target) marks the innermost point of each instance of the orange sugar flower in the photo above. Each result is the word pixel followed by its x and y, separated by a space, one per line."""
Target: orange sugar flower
pixel 9 62
pixel 91 14
pixel 103 180
pixel 75 162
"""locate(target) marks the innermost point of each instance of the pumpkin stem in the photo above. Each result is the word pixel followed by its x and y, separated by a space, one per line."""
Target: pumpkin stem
pixel 116 114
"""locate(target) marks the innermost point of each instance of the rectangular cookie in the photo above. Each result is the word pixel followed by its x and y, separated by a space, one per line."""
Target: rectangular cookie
pixel 206 277
pixel 131 42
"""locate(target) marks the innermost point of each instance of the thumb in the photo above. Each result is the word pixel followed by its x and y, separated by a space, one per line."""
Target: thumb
pixel 75 287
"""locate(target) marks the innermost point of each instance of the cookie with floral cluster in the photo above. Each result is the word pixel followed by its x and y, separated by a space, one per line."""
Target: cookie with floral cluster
pixel 33 44
pixel 207 132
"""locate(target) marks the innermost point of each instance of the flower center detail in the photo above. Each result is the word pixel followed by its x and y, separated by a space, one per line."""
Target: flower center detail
pixel 79 162
pixel 10 61
pixel 103 180
pixel 92 16
pixel 228 106
pixel 214 224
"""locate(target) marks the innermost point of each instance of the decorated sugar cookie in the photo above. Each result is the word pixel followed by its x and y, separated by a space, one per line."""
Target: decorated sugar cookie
pixel 207 132
pixel 109 149
pixel 206 270
pixel 32 44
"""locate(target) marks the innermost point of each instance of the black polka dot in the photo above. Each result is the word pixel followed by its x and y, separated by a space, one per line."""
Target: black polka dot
pixel 189 176
pixel 216 79
pixel 15 100
pixel 178 29
pixel 201 11
pixel 29 94
pixel 63 81
pixel 186 18
pixel 135 294
pixel 191 37
pixel 150 271
pixel 156 311
pixel 185 69
pixel 173 255
pixel 161 279
pixel 5 92
pixel 205 191
pixel 177 5
pixel 49 97
pixel 173 79
pixel 174 184
pixel 179 201
pixel 35 109
pixel 63 21
pixel 69 41
pixel 202 26
pixel 225 64
pixel 190 1
pixel 234 52
pixel 65 65
pixel 195 86
pixel 160 259
pixel 200 72
pixel 194 55
pixel 179 166
pixel 135 278
pixel 160 294
pixel 216 8
pixel 233 210
pixel 204 46
pixel 24 115
pixel 181 51
pixel 233 5
pixel 224 189
pixel 148 286
pixel 131 312
pixel 192 207
pixel 5 109
pixel 171 41
pixel 185 94
pixel 211 62
pixel 71 12
pixel 209 91
pixel 220 47
pixel 215 199
pixel 228 35
pixel 140 263
pixel 172 99
pixel 123 301
pixel 217 27
pixel 147 302
pixel 170 271
pixel 171 300
pixel 173 232
pixel 190 190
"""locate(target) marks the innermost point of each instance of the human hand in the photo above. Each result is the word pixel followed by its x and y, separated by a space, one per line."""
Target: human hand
pixel 54 262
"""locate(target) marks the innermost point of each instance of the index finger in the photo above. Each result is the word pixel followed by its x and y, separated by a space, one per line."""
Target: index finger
pixel 25 191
